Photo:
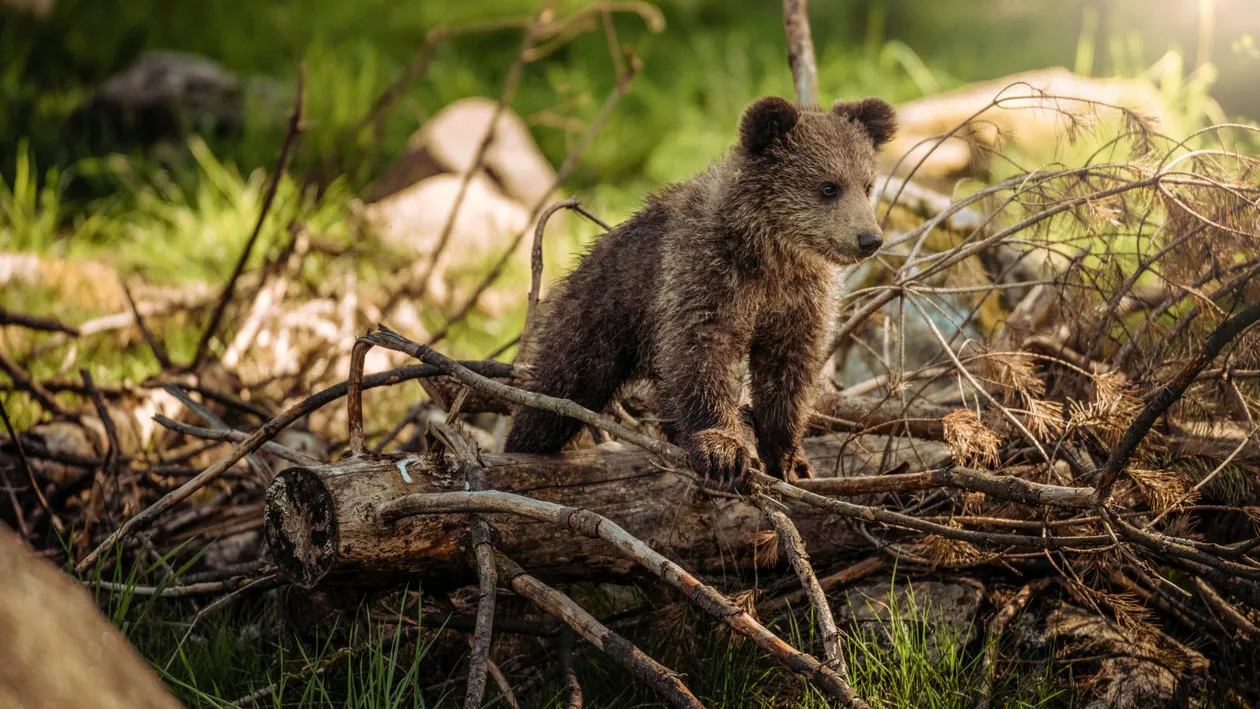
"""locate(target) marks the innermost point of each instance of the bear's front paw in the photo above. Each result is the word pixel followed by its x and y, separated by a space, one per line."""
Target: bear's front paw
pixel 796 466
pixel 721 456
pixel 790 466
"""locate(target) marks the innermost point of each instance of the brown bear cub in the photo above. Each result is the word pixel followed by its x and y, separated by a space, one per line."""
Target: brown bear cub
pixel 735 266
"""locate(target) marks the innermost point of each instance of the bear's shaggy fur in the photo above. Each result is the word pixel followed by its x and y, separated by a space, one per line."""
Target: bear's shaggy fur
pixel 735 265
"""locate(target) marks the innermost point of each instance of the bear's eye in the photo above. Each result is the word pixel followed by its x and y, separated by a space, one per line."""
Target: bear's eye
pixel 830 190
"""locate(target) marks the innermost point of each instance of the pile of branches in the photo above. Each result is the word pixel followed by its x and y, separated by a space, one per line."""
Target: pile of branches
pixel 1063 384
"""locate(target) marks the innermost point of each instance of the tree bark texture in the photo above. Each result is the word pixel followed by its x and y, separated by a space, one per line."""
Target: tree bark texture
pixel 322 523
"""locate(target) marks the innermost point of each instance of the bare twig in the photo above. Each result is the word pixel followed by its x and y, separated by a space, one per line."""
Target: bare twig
pixel 536 268
pixel 269 197
pixel 159 352
pixel 234 436
pixel 662 681
pixel 851 573
pixel 570 162
pixel 30 472
pixel 510 84
pixel 35 322
pixel 1236 618
pixel 255 440
pixel 23 382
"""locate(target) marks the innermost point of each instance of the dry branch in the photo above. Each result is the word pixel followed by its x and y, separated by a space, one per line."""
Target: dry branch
pixel 34 322
pixel 665 683
pixel 269 197
pixel 798 557
pixel 255 440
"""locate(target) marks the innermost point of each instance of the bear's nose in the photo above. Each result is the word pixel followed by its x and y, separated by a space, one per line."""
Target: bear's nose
pixel 869 242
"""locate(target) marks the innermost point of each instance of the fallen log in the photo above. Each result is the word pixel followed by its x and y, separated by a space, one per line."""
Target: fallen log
pixel 322 523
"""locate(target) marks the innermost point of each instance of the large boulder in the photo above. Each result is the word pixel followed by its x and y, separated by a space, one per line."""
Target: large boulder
pixel 449 142
pixel 1032 116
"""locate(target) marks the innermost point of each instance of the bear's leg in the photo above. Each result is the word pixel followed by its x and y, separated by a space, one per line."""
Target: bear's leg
pixel 786 355
pixel 580 359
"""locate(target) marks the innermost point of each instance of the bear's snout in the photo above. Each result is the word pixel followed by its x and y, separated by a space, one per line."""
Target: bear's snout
pixel 869 242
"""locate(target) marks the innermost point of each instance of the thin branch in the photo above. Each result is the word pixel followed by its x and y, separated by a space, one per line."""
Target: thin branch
pixel 256 439
pixel 570 162
pixel 159 352
pixel 269 197
pixel 35 322
pixel 23 382
pixel 30 472
pixel 234 436
pixel 536 267
pixel 798 557
pixel 664 682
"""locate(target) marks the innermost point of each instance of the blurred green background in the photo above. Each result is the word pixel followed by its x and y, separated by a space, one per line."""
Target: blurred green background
pixel 711 58
pixel 179 211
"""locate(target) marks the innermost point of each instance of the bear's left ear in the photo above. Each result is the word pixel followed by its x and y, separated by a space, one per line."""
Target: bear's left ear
pixel 766 121
pixel 875 115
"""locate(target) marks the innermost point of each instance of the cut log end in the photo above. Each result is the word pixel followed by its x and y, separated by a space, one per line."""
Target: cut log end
pixel 301 527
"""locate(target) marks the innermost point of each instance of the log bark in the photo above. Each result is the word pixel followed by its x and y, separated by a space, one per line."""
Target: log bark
pixel 57 649
pixel 323 527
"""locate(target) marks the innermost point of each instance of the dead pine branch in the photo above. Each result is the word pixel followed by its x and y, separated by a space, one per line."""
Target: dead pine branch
pixel 1168 395
pixel 273 185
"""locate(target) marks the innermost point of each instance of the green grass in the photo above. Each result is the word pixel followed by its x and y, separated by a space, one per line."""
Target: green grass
pixel 367 664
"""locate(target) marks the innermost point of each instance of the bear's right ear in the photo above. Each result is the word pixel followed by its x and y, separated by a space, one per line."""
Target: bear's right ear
pixel 876 116
pixel 766 121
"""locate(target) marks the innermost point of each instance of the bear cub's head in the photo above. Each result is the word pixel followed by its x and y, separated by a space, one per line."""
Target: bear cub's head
pixel 812 172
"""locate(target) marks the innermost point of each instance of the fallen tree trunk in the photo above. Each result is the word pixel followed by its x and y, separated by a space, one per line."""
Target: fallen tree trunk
pixel 322 523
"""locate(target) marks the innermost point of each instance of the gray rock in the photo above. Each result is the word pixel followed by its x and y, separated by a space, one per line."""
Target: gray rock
pixel 163 95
